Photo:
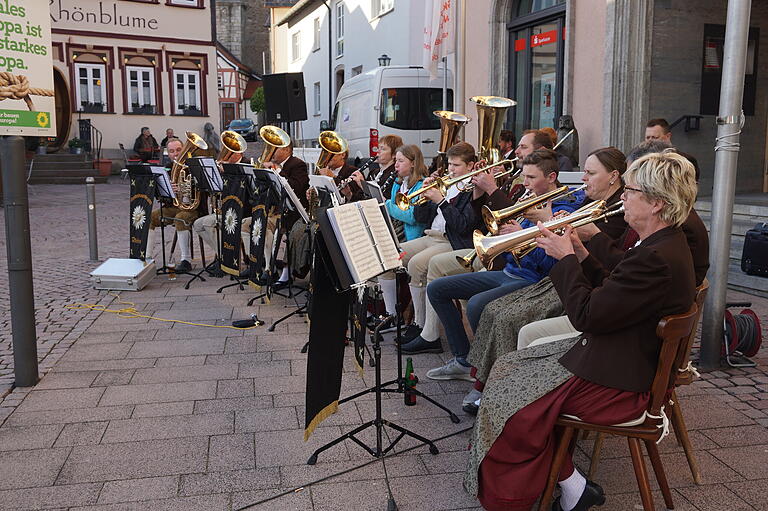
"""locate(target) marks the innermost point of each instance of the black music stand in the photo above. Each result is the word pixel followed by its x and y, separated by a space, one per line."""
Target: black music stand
pixel 206 173
pixel 335 262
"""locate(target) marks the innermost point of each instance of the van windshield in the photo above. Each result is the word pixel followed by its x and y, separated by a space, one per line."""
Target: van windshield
pixel 410 108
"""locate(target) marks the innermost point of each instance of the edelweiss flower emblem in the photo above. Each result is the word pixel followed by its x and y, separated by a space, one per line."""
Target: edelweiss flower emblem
pixel 138 217
pixel 230 221
pixel 256 232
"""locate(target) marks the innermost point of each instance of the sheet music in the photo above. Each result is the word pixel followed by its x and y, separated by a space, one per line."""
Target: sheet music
pixel 355 242
pixel 382 237
pixel 163 182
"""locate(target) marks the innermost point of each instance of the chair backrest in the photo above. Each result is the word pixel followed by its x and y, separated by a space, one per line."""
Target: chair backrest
pixel 673 331
pixel 684 375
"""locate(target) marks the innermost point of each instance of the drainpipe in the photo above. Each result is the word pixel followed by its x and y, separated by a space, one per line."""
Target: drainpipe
pixel 730 122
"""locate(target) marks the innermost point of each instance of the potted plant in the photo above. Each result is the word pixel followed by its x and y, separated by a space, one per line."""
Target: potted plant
pixel 136 108
pixel 89 107
pixel 76 146
pixel 192 110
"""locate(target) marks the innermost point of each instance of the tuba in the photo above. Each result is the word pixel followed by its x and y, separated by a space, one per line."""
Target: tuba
pixel 188 196
pixel 450 124
pixel 331 144
pixel 233 146
pixel 491 112
pixel 274 138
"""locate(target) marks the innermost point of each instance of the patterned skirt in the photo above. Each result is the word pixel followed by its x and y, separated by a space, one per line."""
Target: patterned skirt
pixel 503 318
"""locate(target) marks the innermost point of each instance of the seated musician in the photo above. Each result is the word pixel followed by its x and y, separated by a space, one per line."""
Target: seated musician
pixel 502 318
pixel 183 218
pixel 612 250
pixel 295 171
pixel 540 171
pixel 340 170
pixel 385 176
pixel 604 375
pixel 451 219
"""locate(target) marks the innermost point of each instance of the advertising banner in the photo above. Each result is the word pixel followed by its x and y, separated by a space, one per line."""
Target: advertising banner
pixel 27 104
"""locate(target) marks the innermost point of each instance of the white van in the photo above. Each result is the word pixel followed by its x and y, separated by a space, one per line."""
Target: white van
pixel 391 100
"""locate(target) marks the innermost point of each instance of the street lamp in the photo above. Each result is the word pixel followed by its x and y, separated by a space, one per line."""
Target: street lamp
pixel 384 60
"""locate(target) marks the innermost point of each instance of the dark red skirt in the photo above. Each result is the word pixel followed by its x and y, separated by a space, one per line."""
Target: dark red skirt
pixel 514 472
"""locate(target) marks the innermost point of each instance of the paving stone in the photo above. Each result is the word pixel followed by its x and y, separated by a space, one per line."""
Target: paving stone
pixel 293 501
pixel 401 466
pixel 16 438
pixel 716 496
pixel 132 490
pixel 184 373
pixel 244 358
pixel 265 369
pixel 231 452
pixel 27 469
pixel 158 393
pixel 117 377
pixel 58 380
pixel 50 497
pixel 198 503
pixel 184 347
pixel 98 352
pixel 194 360
pixel 164 409
pixel 105 365
pixel 137 459
pixel 751 462
pixel 752 492
pixel 281 448
pixel 233 404
pixel 151 428
pixel 708 412
pixel 272 419
pixel 85 433
pixel 235 388
pixel 229 481
pixel 66 416
pixel 60 399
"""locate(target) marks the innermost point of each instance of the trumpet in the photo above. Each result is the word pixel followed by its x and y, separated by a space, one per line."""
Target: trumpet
pixel 494 219
pixel 521 242
pixel 403 201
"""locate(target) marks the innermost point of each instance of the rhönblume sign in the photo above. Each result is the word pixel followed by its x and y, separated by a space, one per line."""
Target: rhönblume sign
pixel 27 104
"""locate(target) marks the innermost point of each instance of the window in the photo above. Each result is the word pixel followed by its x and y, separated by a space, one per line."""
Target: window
pixel 317 98
pixel 141 90
pixel 187 85
pixel 381 7
pixel 91 92
pixel 316 34
pixel 296 46
pixel 339 29
pixel 536 53
pixel 185 3
pixel 357 70
pixel 411 108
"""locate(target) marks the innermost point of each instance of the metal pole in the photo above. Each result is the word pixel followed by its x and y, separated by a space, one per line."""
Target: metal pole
pixel 726 159
pixel 445 83
pixel 19 261
pixel 90 198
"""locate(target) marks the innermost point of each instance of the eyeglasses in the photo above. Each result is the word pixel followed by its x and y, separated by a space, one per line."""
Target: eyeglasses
pixel 633 189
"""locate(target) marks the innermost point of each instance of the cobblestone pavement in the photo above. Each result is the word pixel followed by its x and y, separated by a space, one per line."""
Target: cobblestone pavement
pixel 141 414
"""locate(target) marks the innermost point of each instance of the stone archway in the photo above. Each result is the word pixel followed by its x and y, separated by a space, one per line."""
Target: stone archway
pixel 501 11
pixel 63 111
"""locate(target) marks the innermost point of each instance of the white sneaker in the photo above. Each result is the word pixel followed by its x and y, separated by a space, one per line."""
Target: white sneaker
pixel 471 397
pixel 452 370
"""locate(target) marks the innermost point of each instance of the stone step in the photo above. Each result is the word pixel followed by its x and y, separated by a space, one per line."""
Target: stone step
pixel 59 157
pixel 62 166
pixel 85 172
pixel 65 180
pixel 751 284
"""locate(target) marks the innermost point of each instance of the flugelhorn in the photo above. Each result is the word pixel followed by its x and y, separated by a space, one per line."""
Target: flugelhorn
pixel 403 201
pixel 488 247
pixel 188 196
pixel 494 219
pixel 233 145
pixel 274 138
pixel 331 144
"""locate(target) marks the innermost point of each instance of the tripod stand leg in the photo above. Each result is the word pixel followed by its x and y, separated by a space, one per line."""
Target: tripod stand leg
pixel 313 459
pixel 454 418
pixel 403 432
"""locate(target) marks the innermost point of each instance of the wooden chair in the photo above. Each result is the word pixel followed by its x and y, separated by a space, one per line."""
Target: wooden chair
pixel 674 332
pixel 686 374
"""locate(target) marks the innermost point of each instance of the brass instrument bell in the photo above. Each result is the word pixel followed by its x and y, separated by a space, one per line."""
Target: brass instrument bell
pixel 491 111
pixel 331 144
pixel 494 219
pixel 188 197
pixel 274 138
pixel 233 145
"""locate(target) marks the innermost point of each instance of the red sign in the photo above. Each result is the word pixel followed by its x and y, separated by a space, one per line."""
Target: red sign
pixel 519 44
pixel 543 38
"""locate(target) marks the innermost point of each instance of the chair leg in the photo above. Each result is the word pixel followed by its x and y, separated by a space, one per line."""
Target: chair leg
pixel 681 431
pixel 585 434
pixel 562 448
pixel 641 474
pixel 658 469
pixel 202 250
pixel 596 451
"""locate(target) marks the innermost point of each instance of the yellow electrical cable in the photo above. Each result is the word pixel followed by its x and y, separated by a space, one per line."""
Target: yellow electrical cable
pixel 131 312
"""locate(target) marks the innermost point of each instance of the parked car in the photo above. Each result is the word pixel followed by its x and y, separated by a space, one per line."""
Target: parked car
pixel 397 100
pixel 244 127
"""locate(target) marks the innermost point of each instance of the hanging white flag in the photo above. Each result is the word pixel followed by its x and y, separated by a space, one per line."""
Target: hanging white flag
pixel 439 32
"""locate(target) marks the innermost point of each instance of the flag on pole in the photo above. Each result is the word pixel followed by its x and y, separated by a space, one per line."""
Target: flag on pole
pixel 439 33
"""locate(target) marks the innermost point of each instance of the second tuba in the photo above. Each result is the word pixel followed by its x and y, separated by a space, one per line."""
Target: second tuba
pixel 331 144
pixel 188 196
pixel 274 138
pixel 491 112
pixel 233 146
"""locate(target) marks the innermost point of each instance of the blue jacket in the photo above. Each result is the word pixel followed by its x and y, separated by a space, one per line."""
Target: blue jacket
pixel 413 229
pixel 536 265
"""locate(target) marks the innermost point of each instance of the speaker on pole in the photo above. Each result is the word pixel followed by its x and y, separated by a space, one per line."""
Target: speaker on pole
pixel 285 97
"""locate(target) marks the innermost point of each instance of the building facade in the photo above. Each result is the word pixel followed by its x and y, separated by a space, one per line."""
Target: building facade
pixel 329 42
pixel 125 64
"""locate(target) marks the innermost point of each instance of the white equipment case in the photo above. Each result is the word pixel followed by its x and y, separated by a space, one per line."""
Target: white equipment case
pixel 123 274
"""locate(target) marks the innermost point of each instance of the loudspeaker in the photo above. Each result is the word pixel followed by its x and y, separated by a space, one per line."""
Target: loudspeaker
pixel 284 96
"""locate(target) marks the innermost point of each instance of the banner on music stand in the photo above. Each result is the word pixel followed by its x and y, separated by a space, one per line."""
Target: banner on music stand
pixel 142 195
pixel 257 240
pixel 232 209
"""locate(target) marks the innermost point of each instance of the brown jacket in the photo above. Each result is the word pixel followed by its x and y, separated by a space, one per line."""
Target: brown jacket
pixel 295 171
pixel 619 313
pixel 345 172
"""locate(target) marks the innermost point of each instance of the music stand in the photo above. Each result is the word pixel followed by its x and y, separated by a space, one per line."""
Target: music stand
pixel 163 191
pixel 206 174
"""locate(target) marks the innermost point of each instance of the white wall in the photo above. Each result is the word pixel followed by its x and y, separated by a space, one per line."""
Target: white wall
pixel 398 33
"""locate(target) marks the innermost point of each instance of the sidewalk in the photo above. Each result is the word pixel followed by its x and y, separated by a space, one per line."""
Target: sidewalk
pixel 142 414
